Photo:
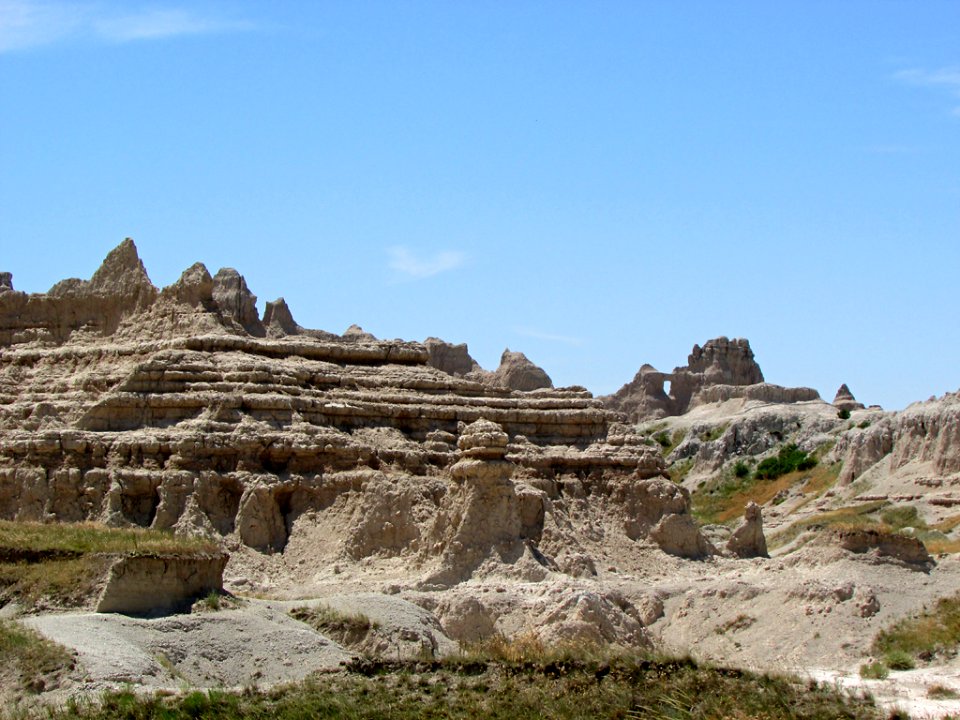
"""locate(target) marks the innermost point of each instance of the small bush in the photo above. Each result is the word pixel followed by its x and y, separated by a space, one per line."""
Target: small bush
pixel 844 414
pixel 874 671
pixel 788 459
pixel 899 660
pixel 741 469
pixel 941 692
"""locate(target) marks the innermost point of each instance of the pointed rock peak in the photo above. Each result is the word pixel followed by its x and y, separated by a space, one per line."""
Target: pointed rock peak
pixel 844 399
pixel 195 286
pixel 355 332
pixel 236 302
pixel 843 393
pixel 121 269
pixel 6 281
pixel 518 373
pixel 278 318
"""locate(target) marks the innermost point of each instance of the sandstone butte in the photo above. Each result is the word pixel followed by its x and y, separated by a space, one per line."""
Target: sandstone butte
pixel 401 479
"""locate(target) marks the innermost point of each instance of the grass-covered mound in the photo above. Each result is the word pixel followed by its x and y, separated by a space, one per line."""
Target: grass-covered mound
pixel 62 564
pixel 614 688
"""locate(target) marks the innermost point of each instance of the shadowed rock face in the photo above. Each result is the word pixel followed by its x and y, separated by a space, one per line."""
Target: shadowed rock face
pixel 720 370
pixel 181 409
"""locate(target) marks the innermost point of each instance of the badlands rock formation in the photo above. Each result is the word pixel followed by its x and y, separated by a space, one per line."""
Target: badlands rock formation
pixel 721 370
pixel 180 408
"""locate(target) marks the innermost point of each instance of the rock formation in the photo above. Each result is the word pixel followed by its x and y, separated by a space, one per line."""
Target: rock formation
pixel 927 433
pixel 452 359
pixel 182 409
pixel 747 540
pixel 721 370
pixel 844 400
pixel 518 373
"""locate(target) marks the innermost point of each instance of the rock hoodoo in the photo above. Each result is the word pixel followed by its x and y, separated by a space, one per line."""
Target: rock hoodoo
pixel 747 540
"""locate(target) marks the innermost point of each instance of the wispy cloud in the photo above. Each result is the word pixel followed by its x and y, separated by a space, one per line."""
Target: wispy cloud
pixel 28 24
pixel 537 334
pixel 417 267
pixel 946 78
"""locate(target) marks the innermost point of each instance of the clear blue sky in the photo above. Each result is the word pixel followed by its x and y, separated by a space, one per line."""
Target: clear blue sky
pixel 597 184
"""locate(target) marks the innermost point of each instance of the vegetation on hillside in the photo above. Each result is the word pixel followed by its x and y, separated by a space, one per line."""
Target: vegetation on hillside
pixel 28 661
pixel 86 538
pixel 934 631
pixel 616 687
pixel 722 499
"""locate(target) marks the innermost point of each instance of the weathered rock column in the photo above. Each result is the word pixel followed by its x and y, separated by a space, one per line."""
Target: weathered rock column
pixel 481 517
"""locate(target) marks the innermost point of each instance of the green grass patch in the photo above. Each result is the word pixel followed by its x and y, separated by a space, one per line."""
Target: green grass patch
pixel 680 469
pixel 931 632
pixel 88 538
pixel 713 433
pixel 874 671
pixel 614 687
pixel 669 441
pixel 30 660
pixel 67 582
pixel 61 564
pixel 722 500
pixel 860 516
pixel 899 660
pixel 349 629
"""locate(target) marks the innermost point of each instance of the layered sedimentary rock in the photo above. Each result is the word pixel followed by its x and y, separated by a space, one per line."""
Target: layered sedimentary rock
pixel 926 432
pixel 182 409
pixel 721 370
pixel 844 399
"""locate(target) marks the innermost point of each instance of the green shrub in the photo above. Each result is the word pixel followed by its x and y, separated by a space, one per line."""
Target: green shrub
pixel 899 660
pixel 788 459
pixel 741 469
pixel 844 414
pixel 874 671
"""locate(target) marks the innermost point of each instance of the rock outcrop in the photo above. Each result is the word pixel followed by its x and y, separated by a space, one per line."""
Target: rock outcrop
pixel 844 400
pixel 927 432
pixel 451 359
pixel 748 541
pixel 155 584
pixel 181 409
pixel 721 370
pixel 518 373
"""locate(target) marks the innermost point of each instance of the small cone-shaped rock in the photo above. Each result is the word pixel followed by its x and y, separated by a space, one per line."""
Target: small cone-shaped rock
pixel 844 399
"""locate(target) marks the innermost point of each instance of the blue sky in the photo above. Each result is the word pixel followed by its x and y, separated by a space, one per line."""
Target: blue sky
pixel 597 184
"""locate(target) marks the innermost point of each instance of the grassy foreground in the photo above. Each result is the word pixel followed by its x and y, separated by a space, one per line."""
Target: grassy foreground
pixel 620 688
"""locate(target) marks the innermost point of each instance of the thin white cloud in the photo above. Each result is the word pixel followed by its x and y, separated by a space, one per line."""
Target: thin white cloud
pixel 550 337
pixel 946 78
pixel 406 262
pixel 26 24
pixel 160 23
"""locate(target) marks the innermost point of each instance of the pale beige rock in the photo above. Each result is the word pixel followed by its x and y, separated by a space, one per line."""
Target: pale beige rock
pixel 747 540
pixel 140 584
